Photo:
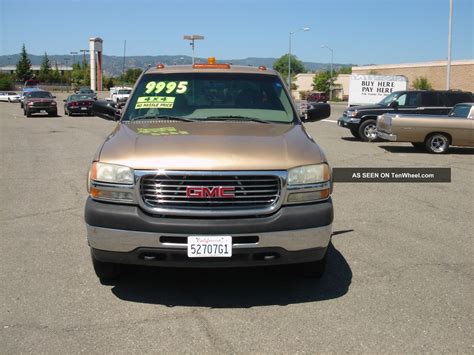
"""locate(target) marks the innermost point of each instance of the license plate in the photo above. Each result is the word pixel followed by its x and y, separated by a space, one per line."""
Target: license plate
pixel 209 247
pixel 83 108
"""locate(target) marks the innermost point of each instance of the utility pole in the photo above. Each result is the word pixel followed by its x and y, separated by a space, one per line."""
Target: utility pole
pixel 84 51
pixel 123 63
pixel 332 60
pixel 448 67
pixel 73 54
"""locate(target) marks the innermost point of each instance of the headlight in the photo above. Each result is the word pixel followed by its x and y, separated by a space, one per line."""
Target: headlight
pixel 352 113
pixel 112 183
pixel 111 173
pixel 309 174
pixel 309 183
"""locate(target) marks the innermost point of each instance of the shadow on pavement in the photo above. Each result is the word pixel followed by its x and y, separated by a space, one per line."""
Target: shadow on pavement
pixel 233 288
pixel 410 149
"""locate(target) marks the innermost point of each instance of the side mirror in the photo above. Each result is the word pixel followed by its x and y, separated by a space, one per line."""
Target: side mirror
pixel 104 110
pixel 394 104
pixel 64 100
pixel 54 97
pixel 317 112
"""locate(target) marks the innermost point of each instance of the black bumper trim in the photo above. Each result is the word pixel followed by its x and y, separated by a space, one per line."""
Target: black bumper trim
pixel 123 217
pixel 240 258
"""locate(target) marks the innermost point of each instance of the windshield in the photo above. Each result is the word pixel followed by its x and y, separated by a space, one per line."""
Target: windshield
pixel 124 92
pixel 211 96
pixel 40 95
pixel 387 100
pixel 85 91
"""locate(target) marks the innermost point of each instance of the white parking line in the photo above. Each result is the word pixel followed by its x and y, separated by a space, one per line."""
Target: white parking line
pixel 328 120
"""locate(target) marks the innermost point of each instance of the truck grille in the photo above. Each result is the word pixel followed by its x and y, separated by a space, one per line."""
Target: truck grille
pixel 250 191
pixel 41 104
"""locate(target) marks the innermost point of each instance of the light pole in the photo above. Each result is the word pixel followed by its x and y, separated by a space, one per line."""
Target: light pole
pixel 192 38
pixel 448 67
pixel 332 59
pixel 73 54
pixel 289 54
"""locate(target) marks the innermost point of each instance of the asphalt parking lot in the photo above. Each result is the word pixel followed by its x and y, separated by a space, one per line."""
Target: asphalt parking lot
pixel 399 278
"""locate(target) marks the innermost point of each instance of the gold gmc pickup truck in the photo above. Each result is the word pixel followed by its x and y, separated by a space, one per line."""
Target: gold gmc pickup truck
pixel 209 166
pixel 434 133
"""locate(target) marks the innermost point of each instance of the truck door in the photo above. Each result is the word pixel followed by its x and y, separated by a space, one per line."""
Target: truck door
pixel 432 104
pixel 408 103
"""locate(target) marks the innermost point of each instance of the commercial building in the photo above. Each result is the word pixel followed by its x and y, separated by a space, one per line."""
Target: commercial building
pixel 462 76
pixel 462 73
pixel 10 69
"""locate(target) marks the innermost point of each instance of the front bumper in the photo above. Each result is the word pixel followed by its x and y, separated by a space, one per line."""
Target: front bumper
pixel 387 136
pixel 348 122
pixel 125 234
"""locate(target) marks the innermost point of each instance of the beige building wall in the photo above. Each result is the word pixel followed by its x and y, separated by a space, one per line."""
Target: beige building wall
pixel 462 73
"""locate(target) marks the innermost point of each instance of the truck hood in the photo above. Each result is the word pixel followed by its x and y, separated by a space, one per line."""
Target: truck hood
pixel 210 146
pixel 367 107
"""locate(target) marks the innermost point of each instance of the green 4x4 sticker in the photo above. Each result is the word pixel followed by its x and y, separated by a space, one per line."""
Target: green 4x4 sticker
pixel 154 102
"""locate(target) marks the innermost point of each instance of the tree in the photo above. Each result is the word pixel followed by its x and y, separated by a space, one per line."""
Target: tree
pixel 55 75
pixel 23 67
pixel 421 83
pixel 130 76
pixel 281 65
pixel 44 74
pixel 344 70
pixel 6 81
pixel 80 75
pixel 322 81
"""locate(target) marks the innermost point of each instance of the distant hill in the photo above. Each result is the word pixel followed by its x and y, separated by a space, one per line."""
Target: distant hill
pixel 113 64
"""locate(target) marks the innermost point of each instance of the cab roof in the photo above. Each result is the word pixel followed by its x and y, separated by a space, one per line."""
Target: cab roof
pixel 167 69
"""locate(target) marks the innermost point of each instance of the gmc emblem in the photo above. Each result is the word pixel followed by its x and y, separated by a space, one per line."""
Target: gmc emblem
pixel 210 192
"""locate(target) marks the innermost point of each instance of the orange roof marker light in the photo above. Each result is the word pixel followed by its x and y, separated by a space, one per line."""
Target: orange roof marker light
pixel 262 67
pixel 211 64
pixel 160 66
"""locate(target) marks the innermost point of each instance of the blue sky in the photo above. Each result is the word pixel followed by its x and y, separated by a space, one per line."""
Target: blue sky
pixel 359 31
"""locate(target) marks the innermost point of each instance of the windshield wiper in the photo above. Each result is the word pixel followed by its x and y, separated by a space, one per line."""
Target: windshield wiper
pixel 166 117
pixel 236 118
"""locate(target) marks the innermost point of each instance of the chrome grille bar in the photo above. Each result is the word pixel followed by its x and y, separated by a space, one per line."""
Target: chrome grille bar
pixel 256 192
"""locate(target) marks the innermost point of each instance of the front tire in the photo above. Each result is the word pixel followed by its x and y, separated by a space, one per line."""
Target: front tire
pixel 437 143
pixel 355 132
pixel 368 131
pixel 105 271
pixel 27 113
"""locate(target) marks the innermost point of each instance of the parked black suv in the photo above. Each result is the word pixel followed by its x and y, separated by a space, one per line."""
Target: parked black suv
pixel 362 120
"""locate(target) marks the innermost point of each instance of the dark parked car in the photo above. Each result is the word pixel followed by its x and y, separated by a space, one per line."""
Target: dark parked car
pixel 78 104
pixel 362 120
pixel 87 91
pixel 40 101
pixel 318 97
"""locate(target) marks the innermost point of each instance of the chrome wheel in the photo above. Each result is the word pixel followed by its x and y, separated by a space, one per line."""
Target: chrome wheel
pixel 370 131
pixel 439 143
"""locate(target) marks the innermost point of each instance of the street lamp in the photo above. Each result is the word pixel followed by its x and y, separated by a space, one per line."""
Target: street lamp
pixel 332 59
pixel 289 54
pixel 192 38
